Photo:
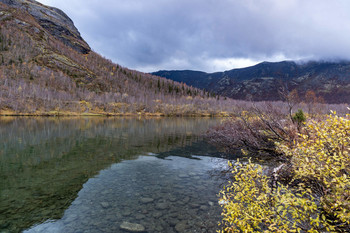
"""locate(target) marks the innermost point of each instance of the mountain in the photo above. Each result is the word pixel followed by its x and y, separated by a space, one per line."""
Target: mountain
pixel 46 68
pixel 55 21
pixel 329 80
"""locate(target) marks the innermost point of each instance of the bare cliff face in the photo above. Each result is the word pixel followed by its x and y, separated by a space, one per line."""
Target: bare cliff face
pixel 55 21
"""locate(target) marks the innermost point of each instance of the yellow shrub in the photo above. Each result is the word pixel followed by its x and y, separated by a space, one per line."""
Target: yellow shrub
pixel 250 205
pixel 320 156
pixel 323 155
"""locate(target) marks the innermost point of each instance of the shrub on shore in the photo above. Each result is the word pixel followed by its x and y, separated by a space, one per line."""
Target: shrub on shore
pixel 255 130
pixel 315 198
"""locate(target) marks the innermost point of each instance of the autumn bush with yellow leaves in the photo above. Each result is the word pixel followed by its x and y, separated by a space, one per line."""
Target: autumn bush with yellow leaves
pixel 315 199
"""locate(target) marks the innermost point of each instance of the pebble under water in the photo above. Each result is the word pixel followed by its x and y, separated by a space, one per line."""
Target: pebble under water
pixel 148 194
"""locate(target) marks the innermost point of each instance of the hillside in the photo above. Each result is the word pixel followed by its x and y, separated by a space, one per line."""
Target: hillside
pixel 330 80
pixel 46 68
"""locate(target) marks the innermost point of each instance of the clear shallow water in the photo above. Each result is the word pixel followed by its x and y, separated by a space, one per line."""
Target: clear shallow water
pixel 162 195
pixel 93 174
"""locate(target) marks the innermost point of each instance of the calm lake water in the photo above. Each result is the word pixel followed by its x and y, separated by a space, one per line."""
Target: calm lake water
pixel 95 174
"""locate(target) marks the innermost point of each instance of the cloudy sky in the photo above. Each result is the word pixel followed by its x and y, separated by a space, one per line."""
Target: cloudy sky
pixel 211 35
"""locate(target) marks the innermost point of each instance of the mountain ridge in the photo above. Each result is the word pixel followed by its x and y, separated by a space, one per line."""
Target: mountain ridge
pixel 329 80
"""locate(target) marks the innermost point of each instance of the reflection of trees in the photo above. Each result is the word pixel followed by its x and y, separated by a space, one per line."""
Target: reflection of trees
pixel 44 162
pixel 48 138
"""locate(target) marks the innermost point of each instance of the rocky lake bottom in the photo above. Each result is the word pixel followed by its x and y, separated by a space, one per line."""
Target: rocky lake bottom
pixel 147 195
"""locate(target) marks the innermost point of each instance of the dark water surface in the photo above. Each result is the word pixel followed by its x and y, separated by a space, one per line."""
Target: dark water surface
pixel 94 174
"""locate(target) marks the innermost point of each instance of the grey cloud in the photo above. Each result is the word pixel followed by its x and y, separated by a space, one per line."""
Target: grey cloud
pixel 165 34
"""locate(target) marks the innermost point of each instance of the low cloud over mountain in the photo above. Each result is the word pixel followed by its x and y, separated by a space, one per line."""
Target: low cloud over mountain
pixel 211 35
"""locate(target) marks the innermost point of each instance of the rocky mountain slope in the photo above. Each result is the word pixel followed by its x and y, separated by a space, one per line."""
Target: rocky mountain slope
pixel 47 68
pixel 330 80
pixel 55 21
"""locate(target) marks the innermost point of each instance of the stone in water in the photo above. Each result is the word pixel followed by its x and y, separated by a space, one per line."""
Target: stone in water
pixel 132 227
pixel 146 200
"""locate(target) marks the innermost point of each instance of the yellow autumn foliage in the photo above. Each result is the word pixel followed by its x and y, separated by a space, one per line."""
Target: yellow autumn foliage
pixel 319 158
pixel 323 154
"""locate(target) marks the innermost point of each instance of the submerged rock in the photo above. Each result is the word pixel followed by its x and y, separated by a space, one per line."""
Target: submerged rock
pixel 157 214
pixel 186 199
pixel 183 176
pixel 181 226
pixel 126 213
pixel 146 200
pixel 139 216
pixel 162 206
pixel 132 227
pixel 105 204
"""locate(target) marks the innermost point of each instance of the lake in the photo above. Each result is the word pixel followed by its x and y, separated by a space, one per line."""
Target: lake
pixel 99 174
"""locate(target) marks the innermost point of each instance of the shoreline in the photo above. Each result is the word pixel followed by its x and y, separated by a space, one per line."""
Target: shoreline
pixel 105 114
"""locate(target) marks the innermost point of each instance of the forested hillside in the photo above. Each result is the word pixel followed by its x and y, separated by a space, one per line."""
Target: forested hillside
pixel 47 68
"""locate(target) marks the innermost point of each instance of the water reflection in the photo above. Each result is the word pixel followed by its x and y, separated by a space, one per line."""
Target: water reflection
pixel 44 162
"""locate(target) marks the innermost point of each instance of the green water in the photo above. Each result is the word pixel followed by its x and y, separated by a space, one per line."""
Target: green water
pixel 93 174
